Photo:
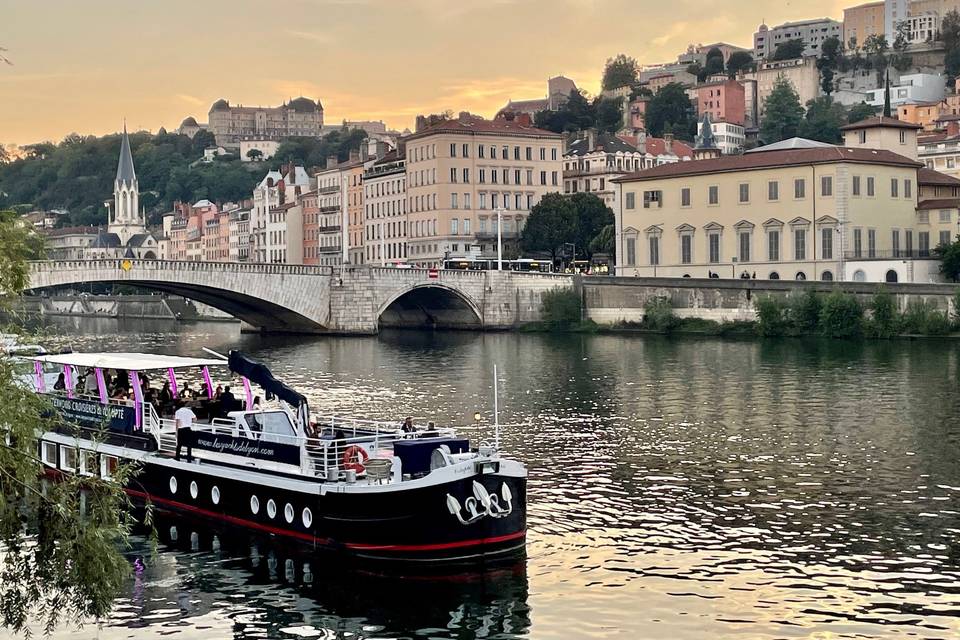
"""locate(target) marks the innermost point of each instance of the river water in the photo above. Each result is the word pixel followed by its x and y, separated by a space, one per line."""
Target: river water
pixel 679 487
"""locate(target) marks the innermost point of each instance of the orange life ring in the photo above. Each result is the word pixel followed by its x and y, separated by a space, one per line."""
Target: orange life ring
pixel 353 458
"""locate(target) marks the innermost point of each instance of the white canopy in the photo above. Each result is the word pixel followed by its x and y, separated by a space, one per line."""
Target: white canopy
pixel 128 361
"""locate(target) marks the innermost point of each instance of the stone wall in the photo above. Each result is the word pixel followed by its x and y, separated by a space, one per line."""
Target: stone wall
pixel 609 300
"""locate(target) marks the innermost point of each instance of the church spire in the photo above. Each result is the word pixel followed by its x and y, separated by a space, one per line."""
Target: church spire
pixel 886 96
pixel 125 172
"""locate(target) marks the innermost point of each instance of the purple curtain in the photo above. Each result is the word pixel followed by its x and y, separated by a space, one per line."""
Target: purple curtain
pixel 101 385
pixel 68 379
pixel 206 378
pixel 248 393
pixel 38 370
pixel 137 397
pixel 173 382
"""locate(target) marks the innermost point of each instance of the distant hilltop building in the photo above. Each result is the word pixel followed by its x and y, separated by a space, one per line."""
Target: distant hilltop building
pixel 190 127
pixel 301 117
pixel 811 32
pixel 558 92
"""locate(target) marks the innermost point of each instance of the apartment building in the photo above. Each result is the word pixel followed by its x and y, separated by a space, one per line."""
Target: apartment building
pixel 862 21
pixel 277 188
pixel 811 32
pixel 723 100
pixel 385 210
pixel 310 209
pixel 461 171
pixel 239 229
pixel 594 160
pixel 330 230
pixel 802 73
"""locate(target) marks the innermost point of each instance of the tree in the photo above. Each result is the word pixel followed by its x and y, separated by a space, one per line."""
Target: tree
pixel 609 114
pixel 782 112
pixel 714 62
pixel 576 114
pixel 621 71
pixel 789 49
pixel 739 62
pixel 951 62
pixel 823 121
pixel 900 60
pixel 950 30
pixel 671 110
pixel 830 53
pixel 696 69
pixel 551 223
pixel 255 154
pixel 949 255
pixel 860 112
pixel 592 216
pixel 875 47
pixel 203 139
pixel 605 241
pixel 61 541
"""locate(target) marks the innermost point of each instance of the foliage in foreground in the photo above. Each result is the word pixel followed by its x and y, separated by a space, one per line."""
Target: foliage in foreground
pixel 560 308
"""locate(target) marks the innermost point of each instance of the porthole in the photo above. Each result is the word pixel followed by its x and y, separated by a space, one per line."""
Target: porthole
pixel 255 504
pixel 194 489
pixel 173 484
pixel 271 508
pixel 307 518
pixel 288 513
pixel 215 495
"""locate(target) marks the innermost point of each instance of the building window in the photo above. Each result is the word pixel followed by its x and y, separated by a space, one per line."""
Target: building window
pixel 466 201
pixel 529 153
pixel 466 151
pixel 652 199
pixel 466 223
pixel 453 175
pixel 923 243
pixel 799 188
pixel 631 200
pixel 826 186
pixel 713 246
pixel 483 200
pixel 923 217
pixel 518 201
pixel 856 185
pixel 466 176
pixel 713 195
pixel 908 241
pixel 553 177
pixel 454 226
pixel 453 149
pixel 744 237
pixel 871 243
pixel 631 251
pixel 480 151
pixel 907 188
pixel 744 192
pixel 862 135
pixel 686 248
pixel 944 238
pixel 826 244
pixel 903 137
pixel 799 244
pixel 857 243
pixel 870 187
pixel 453 201
pixel 685 197
pixel 654 242
pixel 543 177
pixel 773 190
pixel 895 242
pixel 945 215
pixel 553 154
pixel 773 245
pixel 894 188
pixel 483 175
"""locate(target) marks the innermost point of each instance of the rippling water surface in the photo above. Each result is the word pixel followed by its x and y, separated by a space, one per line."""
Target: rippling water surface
pixel 679 488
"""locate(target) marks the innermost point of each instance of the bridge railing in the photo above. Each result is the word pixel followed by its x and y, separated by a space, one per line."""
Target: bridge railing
pixel 129 264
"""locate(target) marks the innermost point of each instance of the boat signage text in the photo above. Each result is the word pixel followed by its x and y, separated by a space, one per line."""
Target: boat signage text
pixel 90 413
pixel 222 443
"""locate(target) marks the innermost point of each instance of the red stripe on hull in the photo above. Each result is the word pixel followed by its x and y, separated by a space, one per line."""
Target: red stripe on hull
pixel 359 546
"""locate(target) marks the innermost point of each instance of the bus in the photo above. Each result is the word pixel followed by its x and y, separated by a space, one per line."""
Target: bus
pixel 487 264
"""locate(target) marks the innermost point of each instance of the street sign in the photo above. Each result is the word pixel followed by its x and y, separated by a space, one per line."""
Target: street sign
pixel 433 274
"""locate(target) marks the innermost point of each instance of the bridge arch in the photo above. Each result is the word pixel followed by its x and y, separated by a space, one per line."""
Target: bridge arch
pixel 431 304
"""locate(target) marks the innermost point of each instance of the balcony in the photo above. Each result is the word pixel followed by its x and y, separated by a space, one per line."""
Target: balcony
pixel 330 229
pixel 330 209
pixel 331 189
pixel 892 254
pixel 492 235
pixel 328 250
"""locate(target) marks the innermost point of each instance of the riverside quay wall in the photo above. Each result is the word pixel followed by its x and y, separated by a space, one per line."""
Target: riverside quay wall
pixel 609 300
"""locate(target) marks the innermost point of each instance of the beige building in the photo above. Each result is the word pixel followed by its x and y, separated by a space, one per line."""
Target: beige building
pixel 461 171
pixel 862 21
pixel 329 227
pixel 794 210
pixel 301 117
pixel 802 73
pixel 385 210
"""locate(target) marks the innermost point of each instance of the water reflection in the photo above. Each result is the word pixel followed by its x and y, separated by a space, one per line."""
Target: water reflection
pixel 681 488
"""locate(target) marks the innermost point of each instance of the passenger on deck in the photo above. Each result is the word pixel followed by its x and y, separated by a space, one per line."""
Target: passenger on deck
pixel 228 402
pixel 60 384
pixel 90 383
pixel 407 425
pixel 183 419
pixel 218 392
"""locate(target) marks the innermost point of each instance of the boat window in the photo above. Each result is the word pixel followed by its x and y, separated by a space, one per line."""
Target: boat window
pixel 49 454
pixel 88 463
pixel 68 458
pixel 108 466
pixel 273 426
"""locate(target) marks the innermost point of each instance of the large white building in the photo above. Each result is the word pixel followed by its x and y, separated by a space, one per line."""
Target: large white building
pixel 913 87
pixel 812 32
pixel 385 210
pixel 728 136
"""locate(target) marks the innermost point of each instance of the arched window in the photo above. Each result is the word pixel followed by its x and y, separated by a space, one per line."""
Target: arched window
pixel 827 276
pixel 801 275
pixel 859 276
pixel 773 276
pixel 891 276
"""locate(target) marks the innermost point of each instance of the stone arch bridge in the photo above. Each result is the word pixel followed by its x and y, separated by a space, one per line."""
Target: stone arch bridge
pixel 312 299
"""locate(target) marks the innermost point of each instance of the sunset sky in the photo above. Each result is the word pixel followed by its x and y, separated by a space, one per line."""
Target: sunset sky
pixel 85 65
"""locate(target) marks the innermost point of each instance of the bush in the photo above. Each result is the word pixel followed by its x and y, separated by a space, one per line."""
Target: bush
pixel 922 317
pixel 804 311
pixel 771 316
pixel 560 308
pixel 956 309
pixel 841 315
pixel 885 319
pixel 658 315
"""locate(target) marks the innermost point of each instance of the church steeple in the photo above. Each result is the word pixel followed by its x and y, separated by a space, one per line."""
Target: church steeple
pixel 127 219
pixel 125 172
pixel 706 146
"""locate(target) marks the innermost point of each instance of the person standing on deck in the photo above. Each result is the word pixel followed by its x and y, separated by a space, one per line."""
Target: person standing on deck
pixel 90 383
pixel 184 418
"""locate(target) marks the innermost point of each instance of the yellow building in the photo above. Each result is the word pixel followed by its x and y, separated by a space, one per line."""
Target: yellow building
pixel 794 210
pixel 460 171
pixel 862 21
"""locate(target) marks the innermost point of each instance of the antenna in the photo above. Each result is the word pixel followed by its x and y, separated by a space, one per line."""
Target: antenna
pixel 496 412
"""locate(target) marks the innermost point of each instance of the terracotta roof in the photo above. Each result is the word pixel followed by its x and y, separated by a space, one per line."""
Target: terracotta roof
pixel 658 147
pixel 880 121
pixel 538 104
pixel 941 203
pixel 929 138
pixel 480 125
pixel 771 159
pixel 929 176
pixel 948 117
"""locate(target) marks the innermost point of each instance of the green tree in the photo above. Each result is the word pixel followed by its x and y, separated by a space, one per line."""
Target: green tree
pixel 61 541
pixel 783 113
pixel 671 110
pixel 605 241
pixel 823 120
pixel 830 53
pixel 950 30
pixel 609 114
pixel 738 62
pixel 860 112
pixel 592 217
pixel 255 154
pixel 949 255
pixel 714 62
pixel 841 315
pixel 789 49
pixel 576 114
pixel 551 223
pixel 203 139
pixel 621 71
pixel 876 47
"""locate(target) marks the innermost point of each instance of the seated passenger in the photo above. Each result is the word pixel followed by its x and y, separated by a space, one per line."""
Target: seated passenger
pixel 60 384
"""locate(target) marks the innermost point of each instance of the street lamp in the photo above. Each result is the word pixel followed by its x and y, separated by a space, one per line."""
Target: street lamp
pixel 499 239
